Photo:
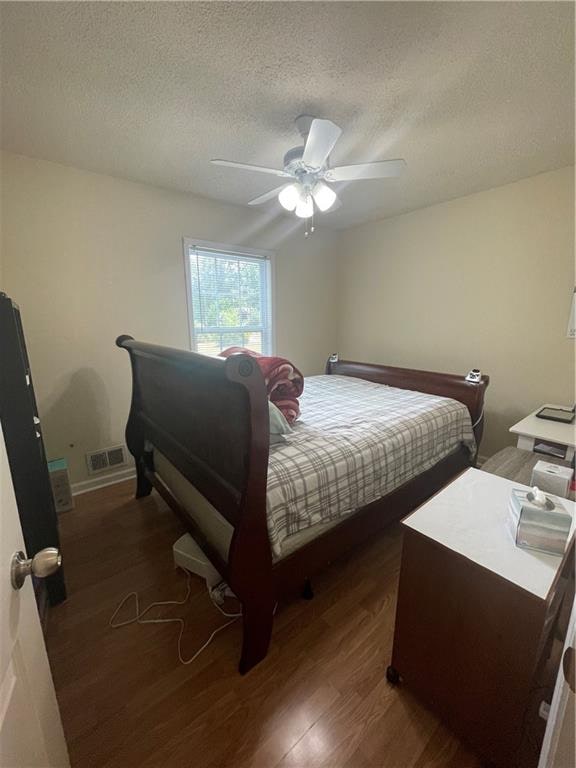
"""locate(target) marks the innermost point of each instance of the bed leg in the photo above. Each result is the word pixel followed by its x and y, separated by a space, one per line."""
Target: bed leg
pixel 143 485
pixel 257 630
pixel 307 591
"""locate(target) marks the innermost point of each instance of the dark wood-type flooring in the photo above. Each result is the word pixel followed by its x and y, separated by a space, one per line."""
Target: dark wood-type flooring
pixel 320 698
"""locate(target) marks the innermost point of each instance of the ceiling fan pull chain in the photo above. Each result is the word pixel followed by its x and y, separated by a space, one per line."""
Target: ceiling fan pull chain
pixel 310 231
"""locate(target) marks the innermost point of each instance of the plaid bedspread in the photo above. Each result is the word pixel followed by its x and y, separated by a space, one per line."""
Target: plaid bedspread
pixel 355 442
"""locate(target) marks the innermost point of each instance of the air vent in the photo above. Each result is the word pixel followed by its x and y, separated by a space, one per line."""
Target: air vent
pixel 108 458
pixel 116 457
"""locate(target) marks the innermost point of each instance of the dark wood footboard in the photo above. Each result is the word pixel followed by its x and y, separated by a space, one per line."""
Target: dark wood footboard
pixel 209 417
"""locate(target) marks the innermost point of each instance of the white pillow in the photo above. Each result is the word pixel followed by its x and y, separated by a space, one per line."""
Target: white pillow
pixel 278 424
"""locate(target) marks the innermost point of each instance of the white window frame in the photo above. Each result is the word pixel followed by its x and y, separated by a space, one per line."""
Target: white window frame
pixel 233 250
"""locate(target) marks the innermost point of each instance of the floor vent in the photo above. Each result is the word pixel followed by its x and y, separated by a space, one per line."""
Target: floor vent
pixel 108 458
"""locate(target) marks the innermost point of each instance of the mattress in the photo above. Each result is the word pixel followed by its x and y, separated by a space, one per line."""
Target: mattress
pixel 355 442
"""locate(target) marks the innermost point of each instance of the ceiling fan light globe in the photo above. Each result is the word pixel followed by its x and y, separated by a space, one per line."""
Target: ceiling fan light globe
pixel 305 207
pixel 324 196
pixel 289 197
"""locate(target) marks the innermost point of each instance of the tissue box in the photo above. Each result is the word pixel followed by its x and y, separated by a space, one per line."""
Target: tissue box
pixel 533 527
pixel 552 478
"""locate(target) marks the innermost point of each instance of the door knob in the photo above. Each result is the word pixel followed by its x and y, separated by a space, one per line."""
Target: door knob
pixel 44 563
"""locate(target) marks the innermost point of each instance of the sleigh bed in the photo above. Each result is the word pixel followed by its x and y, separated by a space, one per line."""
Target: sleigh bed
pixel 268 517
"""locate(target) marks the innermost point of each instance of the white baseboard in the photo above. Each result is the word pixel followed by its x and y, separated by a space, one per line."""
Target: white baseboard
pixel 103 480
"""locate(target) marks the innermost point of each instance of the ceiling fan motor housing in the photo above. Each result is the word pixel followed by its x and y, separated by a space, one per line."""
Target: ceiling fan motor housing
pixel 293 159
pixel 303 173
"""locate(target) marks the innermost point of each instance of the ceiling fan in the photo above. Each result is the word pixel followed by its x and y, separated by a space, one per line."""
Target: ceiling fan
pixel 308 173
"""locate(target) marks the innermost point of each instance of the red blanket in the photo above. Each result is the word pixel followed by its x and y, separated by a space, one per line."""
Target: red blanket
pixel 284 382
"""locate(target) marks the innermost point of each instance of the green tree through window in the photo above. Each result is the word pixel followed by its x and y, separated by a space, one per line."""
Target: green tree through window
pixel 230 301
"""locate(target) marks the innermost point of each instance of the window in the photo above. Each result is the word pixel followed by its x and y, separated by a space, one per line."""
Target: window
pixel 229 298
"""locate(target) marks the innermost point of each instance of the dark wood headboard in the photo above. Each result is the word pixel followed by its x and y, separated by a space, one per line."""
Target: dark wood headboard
pixel 431 382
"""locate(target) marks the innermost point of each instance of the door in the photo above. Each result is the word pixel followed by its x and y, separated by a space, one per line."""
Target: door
pixel 31 734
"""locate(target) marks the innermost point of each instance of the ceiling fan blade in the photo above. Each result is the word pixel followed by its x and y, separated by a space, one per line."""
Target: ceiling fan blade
pixel 267 196
pixel 320 141
pixel 248 167
pixel 384 169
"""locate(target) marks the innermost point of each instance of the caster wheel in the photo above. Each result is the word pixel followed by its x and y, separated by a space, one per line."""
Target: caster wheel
pixel 392 676
pixel 307 591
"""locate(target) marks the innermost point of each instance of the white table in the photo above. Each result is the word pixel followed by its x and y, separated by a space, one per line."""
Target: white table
pixel 476 618
pixel 469 517
pixel 531 429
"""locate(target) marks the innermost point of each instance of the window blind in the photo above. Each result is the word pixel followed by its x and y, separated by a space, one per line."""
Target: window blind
pixel 230 301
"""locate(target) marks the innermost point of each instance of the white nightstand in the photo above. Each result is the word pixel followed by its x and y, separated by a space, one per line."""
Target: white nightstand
pixel 533 430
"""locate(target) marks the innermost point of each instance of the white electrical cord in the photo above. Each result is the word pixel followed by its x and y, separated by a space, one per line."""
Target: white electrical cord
pixel 138 619
pixel 218 595
pixel 478 420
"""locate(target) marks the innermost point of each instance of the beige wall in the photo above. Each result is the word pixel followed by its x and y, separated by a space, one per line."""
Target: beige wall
pixel 88 257
pixel 484 281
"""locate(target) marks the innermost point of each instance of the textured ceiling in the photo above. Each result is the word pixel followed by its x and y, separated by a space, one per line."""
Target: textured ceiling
pixel 471 94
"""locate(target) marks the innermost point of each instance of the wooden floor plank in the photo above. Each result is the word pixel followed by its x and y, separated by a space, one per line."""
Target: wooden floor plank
pixel 319 699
